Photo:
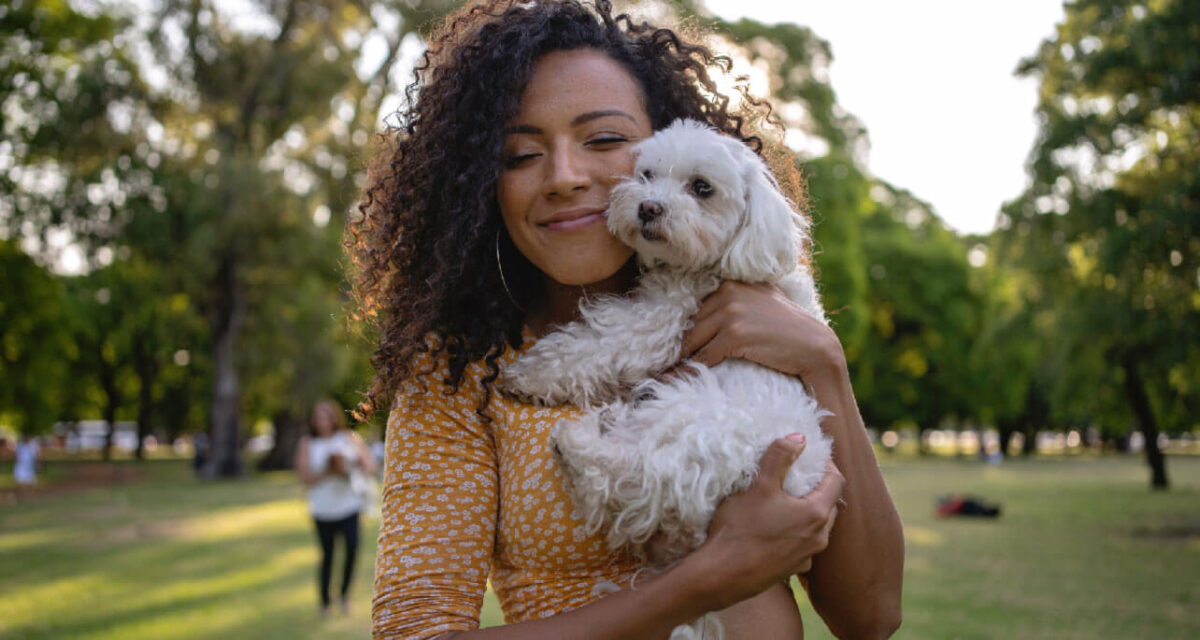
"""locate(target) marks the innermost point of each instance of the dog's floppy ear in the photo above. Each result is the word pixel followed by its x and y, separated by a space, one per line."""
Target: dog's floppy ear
pixel 767 247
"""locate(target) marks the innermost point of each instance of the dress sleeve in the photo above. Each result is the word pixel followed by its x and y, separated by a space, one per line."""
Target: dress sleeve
pixel 439 509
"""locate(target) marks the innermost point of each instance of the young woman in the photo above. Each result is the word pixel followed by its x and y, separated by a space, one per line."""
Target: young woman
pixel 331 460
pixel 483 227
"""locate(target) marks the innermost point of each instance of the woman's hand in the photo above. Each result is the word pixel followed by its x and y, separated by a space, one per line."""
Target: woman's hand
pixel 337 465
pixel 855 584
pixel 764 535
pixel 757 322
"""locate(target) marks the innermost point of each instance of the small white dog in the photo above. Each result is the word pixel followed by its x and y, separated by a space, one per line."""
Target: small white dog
pixel 653 459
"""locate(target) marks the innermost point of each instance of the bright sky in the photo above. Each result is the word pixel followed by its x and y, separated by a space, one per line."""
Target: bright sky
pixel 932 80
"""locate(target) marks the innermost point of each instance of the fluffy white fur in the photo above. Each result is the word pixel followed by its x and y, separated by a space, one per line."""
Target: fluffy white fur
pixel 652 460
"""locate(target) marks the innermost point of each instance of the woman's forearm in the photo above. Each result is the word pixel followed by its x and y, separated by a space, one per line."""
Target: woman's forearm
pixel 855 583
pixel 650 611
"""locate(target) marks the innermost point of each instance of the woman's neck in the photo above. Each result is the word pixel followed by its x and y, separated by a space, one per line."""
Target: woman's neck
pixel 561 302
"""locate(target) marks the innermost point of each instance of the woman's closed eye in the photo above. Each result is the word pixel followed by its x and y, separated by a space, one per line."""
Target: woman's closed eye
pixel 514 160
pixel 606 141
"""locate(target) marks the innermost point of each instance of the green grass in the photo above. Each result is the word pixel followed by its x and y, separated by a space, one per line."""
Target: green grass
pixel 1083 550
pixel 170 557
pixel 1079 551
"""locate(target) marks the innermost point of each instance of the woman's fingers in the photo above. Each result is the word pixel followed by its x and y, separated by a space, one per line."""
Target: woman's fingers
pixel 820 542
pixel 695 341
pixel 778 458
pixel 764 534
pixel 827 492
pixel 823 500
pixel 760 324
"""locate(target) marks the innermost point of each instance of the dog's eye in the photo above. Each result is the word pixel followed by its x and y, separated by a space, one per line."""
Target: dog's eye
pixel 701 188
pixel 647 175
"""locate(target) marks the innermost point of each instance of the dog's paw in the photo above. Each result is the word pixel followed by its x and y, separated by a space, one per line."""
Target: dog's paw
pixel 530 381
pixel 514 391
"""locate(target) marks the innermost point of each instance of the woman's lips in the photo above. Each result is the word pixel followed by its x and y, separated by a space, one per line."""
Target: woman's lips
pixel 572 221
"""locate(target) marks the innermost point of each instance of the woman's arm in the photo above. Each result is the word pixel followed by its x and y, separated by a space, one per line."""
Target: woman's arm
pixel 757 539
pixel 438 529
pixel 869 527
pixel 366 461
pixel 306 473
pixel 856 598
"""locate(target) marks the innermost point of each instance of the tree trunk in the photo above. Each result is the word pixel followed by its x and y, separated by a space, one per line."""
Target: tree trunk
pixel 288 431
pixel 143 364
pixel 108 383
pixel 1135 389
pixel 225 458
pixel 1030 445
pixel 110 421
pixel 1005 430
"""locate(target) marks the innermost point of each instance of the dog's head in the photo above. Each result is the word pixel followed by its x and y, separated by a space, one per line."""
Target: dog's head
pixel 700 200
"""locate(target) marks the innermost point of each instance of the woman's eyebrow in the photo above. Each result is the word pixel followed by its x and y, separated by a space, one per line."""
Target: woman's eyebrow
pixel 592 115
pixel 578 120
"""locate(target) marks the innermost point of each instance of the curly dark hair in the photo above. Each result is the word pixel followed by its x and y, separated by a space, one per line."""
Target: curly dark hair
pixel 423 247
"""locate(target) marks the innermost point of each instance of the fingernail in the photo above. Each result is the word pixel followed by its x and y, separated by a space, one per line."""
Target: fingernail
pixel 797 437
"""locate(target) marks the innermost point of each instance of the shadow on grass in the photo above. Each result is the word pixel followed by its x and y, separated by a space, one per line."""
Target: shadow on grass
pixel 132 615
pixel 170 556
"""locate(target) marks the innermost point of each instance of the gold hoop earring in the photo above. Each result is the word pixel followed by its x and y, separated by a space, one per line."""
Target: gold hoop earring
pixel 503 281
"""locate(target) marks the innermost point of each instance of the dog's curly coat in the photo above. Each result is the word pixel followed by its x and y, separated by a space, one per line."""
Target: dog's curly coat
pixel 652 459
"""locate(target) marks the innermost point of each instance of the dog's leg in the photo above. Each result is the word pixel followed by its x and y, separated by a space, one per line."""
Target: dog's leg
pixel 701 436
pixel 595 465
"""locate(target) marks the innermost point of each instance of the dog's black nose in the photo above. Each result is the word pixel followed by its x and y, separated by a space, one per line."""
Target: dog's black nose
pixel 649 210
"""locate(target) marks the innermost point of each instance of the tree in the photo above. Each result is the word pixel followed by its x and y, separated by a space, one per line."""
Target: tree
pixel 917 363
pixel 217 152
pixel 1016 355
pixel 1115 204
pixel 35 346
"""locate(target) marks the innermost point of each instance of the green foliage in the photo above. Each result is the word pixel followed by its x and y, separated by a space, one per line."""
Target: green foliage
pixel 210 167
pixel 1112 222
pixel 207 173
pixel 925 316
pixel 840 196
pixel 1110 227
pixel 35 347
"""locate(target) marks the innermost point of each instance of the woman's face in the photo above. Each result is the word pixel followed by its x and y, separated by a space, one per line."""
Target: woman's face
pixel 323 420
pixel 569 144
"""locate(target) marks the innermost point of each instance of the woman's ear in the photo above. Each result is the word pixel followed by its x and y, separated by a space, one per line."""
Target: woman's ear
pixel 767 247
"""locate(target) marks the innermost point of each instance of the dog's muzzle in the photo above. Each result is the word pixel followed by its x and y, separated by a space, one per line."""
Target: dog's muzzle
pixel 649 212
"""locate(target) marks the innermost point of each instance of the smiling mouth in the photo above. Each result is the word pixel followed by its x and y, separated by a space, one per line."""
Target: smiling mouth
pixel 571 222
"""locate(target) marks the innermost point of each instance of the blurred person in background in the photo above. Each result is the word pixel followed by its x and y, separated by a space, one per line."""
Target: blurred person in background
pixel 28 462
pixel 335 466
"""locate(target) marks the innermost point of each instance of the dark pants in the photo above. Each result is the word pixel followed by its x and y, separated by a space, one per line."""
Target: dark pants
pixel 327 530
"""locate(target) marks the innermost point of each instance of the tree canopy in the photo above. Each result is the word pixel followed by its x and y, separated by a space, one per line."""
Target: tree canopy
pixel 177 179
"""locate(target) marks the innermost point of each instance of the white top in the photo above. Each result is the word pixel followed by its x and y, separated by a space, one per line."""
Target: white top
pixel 333 497
pixel 24 471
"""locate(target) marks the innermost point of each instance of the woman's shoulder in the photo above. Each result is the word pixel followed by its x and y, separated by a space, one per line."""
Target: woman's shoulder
pixel 427 403
pixel 431 374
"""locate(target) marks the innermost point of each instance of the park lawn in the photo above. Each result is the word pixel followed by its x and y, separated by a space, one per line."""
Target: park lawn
pixel 1083 550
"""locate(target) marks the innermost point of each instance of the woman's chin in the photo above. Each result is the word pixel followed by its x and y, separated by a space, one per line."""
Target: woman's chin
pixel 611 270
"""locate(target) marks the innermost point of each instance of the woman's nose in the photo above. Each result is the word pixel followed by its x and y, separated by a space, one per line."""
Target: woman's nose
pixel 567 172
